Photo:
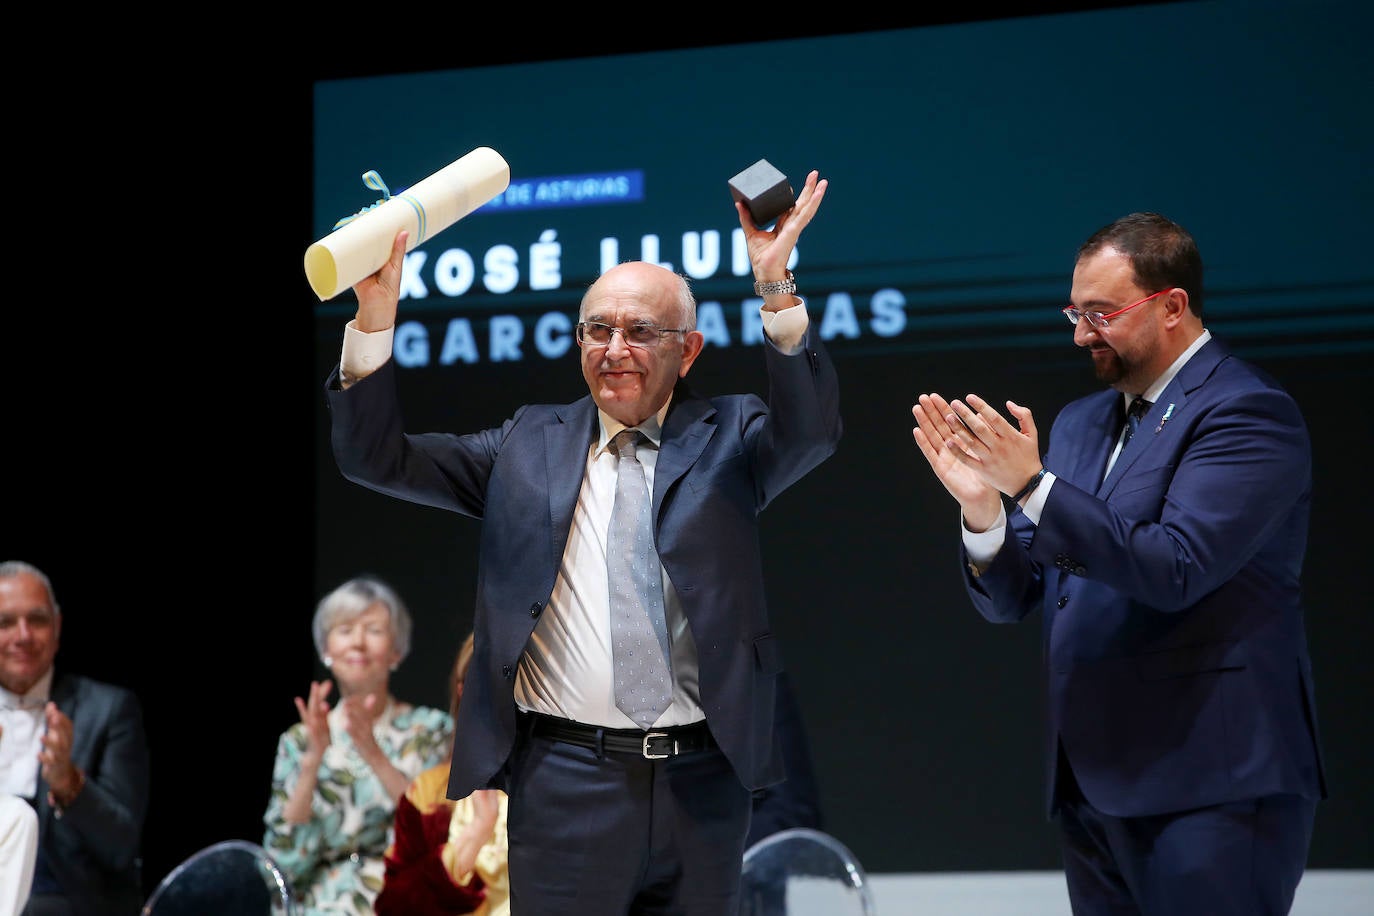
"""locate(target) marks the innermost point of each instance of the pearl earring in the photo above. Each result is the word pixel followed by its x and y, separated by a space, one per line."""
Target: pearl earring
pixel 328 661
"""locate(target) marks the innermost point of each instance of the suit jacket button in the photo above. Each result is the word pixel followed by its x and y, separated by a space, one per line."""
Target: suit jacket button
pixel 506 671
pixel 1063 600
pixel 534 609
pixel 1080 570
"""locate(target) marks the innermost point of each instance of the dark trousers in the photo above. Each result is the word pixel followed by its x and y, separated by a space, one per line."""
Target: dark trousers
pixel 1242 858
pixel 48 905
pixel 615 834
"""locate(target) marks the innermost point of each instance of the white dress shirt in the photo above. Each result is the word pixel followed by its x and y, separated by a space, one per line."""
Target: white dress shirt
pixel 566 670
pixel 21 717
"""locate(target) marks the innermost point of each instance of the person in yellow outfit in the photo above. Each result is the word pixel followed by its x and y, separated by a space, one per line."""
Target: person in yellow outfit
pixel 447 856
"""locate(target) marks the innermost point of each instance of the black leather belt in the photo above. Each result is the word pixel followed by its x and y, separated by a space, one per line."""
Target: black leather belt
pixel 654 744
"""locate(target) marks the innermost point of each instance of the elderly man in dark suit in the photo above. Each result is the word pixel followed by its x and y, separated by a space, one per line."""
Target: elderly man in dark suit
pixel 616 806
pixel 1162 538
pixel 75 747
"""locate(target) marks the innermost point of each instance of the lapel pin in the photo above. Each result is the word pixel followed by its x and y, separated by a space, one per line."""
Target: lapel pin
pixel 1168 412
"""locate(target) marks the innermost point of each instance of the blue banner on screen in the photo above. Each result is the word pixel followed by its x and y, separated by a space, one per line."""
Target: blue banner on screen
pixel 592 190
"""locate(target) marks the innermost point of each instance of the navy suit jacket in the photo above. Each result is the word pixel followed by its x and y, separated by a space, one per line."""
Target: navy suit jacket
pixel 94 848
pixel 720 462
pixel 796 801
pixel 1178 667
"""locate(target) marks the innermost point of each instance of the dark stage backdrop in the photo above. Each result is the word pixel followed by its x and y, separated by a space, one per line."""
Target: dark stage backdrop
pixel 165 446
pixel 966 163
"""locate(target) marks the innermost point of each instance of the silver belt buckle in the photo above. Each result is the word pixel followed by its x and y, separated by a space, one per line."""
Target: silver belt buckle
pixel 648 736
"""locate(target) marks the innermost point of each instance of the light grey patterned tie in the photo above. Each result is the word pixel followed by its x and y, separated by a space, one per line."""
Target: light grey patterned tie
pixel 639 632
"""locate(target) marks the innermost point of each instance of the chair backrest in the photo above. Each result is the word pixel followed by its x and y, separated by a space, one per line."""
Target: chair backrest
pixel 229 878
pixel 803 872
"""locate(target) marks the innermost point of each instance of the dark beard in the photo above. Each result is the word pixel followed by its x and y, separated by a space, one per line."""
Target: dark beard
pixel 1110 372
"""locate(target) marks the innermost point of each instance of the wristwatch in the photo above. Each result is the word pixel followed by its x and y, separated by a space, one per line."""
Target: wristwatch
pixel 776 287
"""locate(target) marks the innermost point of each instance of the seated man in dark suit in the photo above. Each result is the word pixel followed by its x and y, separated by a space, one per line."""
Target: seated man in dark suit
pixel 75 748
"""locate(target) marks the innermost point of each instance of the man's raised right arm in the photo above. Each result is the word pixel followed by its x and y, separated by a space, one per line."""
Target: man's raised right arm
pixel 368 337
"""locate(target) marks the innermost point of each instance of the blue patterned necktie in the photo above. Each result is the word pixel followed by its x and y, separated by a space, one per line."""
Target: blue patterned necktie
pixel 639 631
pixel 1133 415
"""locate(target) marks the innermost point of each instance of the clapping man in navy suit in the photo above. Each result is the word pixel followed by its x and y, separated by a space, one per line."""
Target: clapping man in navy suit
pixel 610 814
pixel 1184 758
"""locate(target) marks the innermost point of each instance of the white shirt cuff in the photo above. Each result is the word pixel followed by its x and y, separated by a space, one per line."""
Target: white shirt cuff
pixel 364 353
pixel 787 328
pixel 982 546
pixel 1035 503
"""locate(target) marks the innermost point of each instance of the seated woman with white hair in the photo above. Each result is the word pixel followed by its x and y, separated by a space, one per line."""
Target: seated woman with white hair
pixel 340 771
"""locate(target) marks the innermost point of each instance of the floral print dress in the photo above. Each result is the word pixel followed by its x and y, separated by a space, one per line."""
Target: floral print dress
pixel 335 861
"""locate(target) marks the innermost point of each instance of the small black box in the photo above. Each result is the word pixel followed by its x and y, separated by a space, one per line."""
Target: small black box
pixel 764 190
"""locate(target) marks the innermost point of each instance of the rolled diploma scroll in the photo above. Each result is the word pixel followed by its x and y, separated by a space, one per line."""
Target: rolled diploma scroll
pixel 360 247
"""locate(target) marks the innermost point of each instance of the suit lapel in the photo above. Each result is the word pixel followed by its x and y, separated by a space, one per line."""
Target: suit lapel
pixel 686 431
pixel 1138 444
pixel 565 462
pixel 1103 422
pixel 1172 402
pixel 68 696
pixel 685 435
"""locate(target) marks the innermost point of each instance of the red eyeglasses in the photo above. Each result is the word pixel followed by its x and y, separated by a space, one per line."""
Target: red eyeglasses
pixel 1097 319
